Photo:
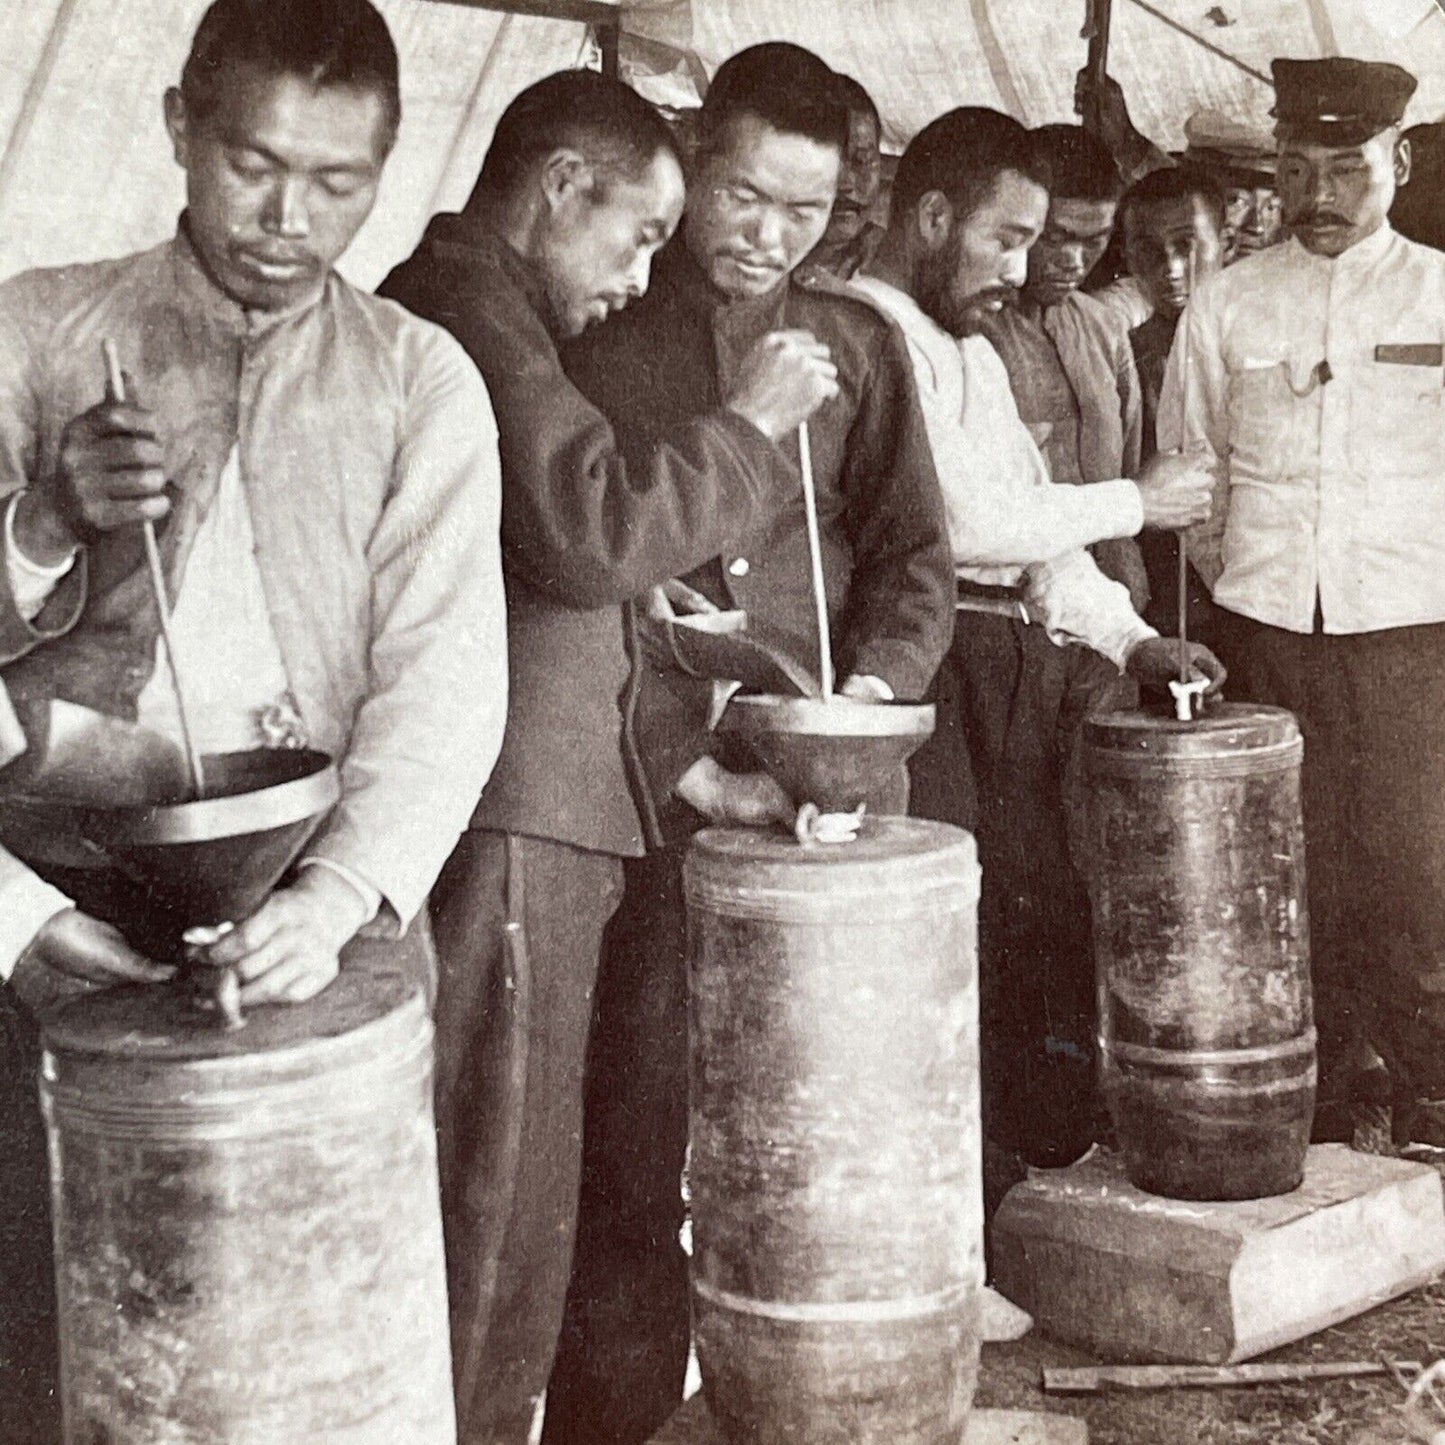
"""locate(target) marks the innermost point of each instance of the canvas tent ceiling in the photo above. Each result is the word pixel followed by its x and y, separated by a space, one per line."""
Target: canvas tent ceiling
pixel 85 168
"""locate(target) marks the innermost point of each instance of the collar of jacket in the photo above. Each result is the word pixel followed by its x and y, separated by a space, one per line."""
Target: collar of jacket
pixel 1361 256
pixel 196 294
pixel 473 235
pixel 678 276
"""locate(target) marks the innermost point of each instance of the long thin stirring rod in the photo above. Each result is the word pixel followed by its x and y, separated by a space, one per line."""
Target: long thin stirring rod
pixel 115 387
pixel 815 552
pixel 1188 372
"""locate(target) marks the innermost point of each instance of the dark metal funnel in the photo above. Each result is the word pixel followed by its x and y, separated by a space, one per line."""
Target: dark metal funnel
pixel 157 870
pixel 831 752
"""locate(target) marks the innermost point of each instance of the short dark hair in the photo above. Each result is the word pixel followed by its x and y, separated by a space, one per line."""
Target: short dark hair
pixel 782 85
pixel 856 100
pixel 1174 183
pixel 323 42
pixel 962 154
pixel 583 110
pixel 1082 167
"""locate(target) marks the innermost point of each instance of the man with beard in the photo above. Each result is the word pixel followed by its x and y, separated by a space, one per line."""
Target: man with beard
pixel 1315 377
pixel 851 238
pixel 1068 357
pixel 772 136
pixel 1173 228
pixel 322 470
pixel 580 187
pixel 969 200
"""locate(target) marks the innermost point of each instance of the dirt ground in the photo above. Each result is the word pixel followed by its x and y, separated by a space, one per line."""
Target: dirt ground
pixel 1343 1412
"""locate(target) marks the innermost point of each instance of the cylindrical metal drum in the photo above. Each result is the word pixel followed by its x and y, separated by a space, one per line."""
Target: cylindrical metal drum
pixel 248 1236
pixel 1201 931
pixel 836 1177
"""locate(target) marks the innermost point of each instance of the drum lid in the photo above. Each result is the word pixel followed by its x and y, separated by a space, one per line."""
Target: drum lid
pixel 147 1037
pixel 894 864
pixel 1225 728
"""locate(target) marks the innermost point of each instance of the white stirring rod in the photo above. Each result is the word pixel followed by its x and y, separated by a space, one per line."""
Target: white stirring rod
pixel 815 552
pixel 115 387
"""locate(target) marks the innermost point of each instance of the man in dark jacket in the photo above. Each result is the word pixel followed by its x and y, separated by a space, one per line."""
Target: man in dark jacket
pixel 772 133
pixel 579 189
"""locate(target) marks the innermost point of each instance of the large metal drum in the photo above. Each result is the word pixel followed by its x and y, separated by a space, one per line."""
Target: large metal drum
pixel 1201 932
pixel 248 1238
pixel 836 1189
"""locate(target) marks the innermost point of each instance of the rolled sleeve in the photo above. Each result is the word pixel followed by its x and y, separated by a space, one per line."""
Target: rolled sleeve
pixel 31 584
pixel 430 727
pixel 1076 603
pixel 1014 527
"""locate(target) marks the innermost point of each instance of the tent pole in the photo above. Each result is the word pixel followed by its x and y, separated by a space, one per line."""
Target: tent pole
pixel 609 39
pixel 35 91
pixel 1096 30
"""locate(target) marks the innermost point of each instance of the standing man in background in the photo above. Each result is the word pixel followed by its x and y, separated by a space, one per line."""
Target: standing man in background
pixel 1317 380
pixel 580 187
pixel 851 236
pixel 1068 356
pixel 1240 160
pixel 1174 238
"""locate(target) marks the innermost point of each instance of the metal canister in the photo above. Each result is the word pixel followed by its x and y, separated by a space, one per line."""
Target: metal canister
pixel 836 1176
pixel 247 1228
pixel 1201 930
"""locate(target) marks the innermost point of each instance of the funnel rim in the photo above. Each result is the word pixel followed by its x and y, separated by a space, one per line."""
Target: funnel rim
pixel 204 819
pixel 761 714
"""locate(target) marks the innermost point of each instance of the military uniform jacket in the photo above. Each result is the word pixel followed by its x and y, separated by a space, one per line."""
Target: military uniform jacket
pixel 886 555
pixel 584 529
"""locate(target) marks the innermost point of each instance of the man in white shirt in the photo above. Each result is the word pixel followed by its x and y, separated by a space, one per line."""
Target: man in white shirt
pixel 1043 636
pixel 322 468
pixel 1316 374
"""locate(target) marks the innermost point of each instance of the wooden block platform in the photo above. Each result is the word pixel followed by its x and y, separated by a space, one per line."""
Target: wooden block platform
pixel 1129 1276
pixel 692 1425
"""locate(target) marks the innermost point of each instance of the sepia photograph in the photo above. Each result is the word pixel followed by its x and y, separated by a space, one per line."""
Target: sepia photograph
pixel 722 722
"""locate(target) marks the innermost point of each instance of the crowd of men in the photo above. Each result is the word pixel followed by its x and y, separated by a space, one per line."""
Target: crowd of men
pixel 448 530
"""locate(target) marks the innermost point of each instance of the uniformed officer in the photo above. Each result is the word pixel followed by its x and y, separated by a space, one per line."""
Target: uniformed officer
pixel 1316 375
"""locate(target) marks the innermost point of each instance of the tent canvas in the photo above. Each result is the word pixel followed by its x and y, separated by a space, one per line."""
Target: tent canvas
pixel 85 169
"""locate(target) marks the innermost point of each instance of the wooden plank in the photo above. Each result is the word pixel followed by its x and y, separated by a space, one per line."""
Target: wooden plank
pixel 1104 1379
pixel 1130 1277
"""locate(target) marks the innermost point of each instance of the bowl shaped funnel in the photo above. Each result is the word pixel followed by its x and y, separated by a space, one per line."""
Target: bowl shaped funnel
pixel 157 869
pixel 833 752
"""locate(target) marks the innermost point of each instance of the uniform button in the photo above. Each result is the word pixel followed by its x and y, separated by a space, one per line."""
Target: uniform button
pixel 739 567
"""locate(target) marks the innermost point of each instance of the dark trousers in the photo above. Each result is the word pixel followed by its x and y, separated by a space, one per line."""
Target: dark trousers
pixel 623 1355
pixel 1160 551
pixel 519 924
pixel 1372 709
pixel 1001 763
pixel 29 1355
pixel 622 1361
